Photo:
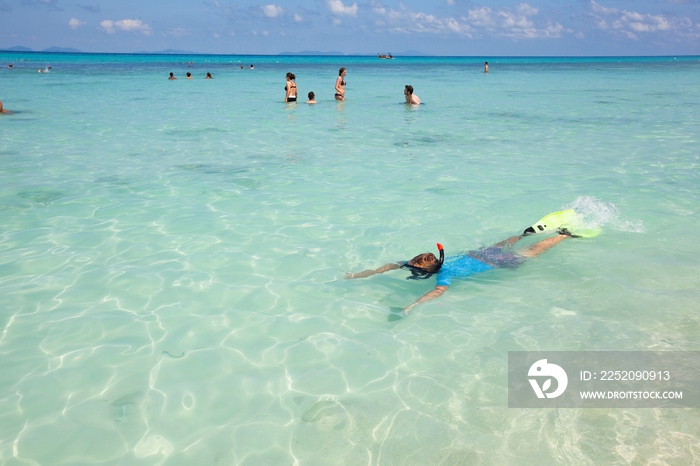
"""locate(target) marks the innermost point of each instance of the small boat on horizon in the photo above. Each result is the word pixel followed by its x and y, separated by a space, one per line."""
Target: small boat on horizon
pixel 385 56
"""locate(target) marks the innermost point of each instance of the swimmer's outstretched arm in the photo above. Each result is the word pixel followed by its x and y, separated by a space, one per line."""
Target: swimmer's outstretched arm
pixel 436 293
pixel 367 273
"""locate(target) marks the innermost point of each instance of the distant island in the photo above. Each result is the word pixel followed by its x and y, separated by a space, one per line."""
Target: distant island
pixel 19 48
pixel 169 52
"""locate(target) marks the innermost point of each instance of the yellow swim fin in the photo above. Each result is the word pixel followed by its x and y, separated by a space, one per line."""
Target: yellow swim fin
pixel 552 222
pixel 567 220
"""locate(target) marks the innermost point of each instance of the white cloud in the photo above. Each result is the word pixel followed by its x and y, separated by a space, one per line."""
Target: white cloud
pixel 404 21
pixel 75 23
pixel 450 2
pixel 602 10
pixel 108 26
pixel 134 25
pixel 514 23
pixel 272 11
pixel 338 8
pixel 630 23
pixel 512 20
pixel 480 16
pixel 298 18
pixel 129 25
pixel 527 10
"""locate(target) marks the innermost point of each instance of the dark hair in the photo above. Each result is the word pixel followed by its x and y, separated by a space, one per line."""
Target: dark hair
pixel 171 73
pixel 341 71
pixel 291 76
pixel 311 95
pixel 409 88
pixel 425 265
pixel 189 74
pixel 208 74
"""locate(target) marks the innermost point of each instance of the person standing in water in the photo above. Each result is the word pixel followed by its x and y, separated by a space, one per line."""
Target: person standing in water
pixel 411 98
pixel 4 111
pixel 486 67
pixel 340 84
pixel 290 88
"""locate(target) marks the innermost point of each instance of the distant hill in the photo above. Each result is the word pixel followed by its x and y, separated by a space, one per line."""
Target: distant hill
pixel 61 50
pixel 18 48
pixel 312 52
pixel 169 52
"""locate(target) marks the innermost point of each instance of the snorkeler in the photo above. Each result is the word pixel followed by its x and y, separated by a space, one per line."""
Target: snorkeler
pixel 500 255
pixel 340 84
pixel 290 88
pixel 411 98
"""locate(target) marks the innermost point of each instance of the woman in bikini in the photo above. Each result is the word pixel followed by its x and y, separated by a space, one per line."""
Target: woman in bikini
pixel 340 84
pixel 291 88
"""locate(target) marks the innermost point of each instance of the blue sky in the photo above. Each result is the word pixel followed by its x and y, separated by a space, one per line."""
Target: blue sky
pixel 441 27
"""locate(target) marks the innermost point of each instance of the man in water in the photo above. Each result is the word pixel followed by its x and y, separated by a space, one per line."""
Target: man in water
pixel 499 255
pixel 486 67
pixel 411 98
pixel 3 111
pixel 312 98
pixel 172 77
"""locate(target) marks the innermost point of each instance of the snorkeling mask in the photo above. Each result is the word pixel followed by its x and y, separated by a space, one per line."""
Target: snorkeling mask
pixel 419 273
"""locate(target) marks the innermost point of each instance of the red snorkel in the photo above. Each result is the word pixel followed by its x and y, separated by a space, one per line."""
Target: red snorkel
pixel 442 253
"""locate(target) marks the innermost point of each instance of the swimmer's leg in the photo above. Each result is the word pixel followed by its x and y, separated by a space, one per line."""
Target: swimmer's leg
pixel 508 242
pixel 538 248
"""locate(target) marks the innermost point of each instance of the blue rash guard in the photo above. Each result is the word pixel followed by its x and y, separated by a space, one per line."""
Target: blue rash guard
pixel 460 266
pixel 465 265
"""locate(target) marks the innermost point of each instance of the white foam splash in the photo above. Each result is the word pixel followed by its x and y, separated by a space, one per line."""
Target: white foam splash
pixel 597 213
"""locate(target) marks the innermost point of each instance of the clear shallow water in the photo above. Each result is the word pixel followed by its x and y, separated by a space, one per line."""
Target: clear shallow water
pixel 171 256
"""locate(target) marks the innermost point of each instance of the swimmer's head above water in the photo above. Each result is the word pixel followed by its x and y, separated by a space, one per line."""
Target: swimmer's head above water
pixel 425 265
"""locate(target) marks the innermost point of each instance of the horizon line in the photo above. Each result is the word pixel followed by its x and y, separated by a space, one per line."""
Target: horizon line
pixel 325 54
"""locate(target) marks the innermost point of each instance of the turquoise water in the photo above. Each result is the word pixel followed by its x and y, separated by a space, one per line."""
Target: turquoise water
pixel 172 253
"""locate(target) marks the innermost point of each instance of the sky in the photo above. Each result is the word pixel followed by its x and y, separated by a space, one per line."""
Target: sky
pixel 440 27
